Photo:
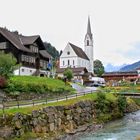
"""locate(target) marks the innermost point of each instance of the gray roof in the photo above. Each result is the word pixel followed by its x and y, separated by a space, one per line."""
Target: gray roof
pixel 74 70
pixel 14 38
pixel 80 53
pixel 124 73
pixel 45 54
pixel 27 40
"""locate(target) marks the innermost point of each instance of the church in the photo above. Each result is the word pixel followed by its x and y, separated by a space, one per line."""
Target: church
pixel 75 58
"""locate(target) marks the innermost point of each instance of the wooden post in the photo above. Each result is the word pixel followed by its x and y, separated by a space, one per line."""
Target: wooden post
pixel 17 103
pixel 33 102
pixel 3 109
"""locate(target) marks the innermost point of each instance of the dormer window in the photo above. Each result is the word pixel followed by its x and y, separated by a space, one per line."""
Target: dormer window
pixel 68 53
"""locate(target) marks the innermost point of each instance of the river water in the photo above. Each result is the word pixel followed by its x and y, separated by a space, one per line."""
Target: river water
pixel 127 128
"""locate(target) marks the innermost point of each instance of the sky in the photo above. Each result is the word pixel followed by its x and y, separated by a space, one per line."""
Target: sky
pixel 115 24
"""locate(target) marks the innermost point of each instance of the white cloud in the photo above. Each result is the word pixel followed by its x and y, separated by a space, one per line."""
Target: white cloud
pixel 115 24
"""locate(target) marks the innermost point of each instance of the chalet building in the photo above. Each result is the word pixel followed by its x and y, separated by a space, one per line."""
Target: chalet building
pixel 28 50
pixel 117 76
pixel 74 57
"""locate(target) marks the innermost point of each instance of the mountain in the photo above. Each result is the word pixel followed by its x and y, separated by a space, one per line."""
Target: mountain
pixel 110 68
pixel 131 67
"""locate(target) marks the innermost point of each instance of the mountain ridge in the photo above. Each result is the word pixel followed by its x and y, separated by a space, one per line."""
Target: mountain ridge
pixel 131 67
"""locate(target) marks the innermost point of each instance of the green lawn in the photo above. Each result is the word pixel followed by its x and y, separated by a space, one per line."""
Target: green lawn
pixel 34 84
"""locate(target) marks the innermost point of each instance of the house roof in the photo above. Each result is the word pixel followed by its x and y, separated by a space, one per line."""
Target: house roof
pixel 74 70
pixel 14 38
pixel 45 54
pixel 80 53
pixel 27 40
pixel 126 73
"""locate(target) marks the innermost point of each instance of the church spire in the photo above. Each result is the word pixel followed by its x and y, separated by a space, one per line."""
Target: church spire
pixel 89 28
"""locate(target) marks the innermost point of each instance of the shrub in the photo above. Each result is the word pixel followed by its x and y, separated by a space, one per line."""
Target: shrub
pixel 101 101
pixel 7 64
pixel 122 103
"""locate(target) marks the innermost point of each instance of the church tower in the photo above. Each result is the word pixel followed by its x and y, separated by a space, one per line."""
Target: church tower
pixel 89 46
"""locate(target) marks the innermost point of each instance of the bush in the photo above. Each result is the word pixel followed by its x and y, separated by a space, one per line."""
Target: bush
pixel 7 64
pixel 122 103
pixel 101 101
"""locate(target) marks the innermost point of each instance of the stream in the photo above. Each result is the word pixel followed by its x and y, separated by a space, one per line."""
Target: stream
pixel 127 128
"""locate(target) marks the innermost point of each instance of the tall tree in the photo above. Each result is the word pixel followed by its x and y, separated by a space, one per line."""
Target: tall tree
pixel 98 67
pixel 68 73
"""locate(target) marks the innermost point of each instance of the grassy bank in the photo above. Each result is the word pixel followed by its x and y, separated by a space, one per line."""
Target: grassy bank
pixel 27 110
pixel 32 84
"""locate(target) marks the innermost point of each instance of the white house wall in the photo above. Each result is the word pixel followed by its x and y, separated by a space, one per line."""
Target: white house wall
pixel 24 71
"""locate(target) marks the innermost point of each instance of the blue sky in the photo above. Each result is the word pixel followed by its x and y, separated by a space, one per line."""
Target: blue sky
pixel 115 24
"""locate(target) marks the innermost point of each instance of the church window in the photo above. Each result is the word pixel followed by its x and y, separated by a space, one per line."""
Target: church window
pixel 73 62
pixel 68 62
pixel 63 63
pixel 68 53
pixel 87 42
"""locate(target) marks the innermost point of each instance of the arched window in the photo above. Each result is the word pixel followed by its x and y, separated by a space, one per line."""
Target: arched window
pixel 68 62
pixel 68 53
pixel 63 63
pixel 87 42
pixel 73 62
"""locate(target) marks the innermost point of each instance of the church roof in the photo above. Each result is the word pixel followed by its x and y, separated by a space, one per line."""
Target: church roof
pixel 80 53
pixel 89 29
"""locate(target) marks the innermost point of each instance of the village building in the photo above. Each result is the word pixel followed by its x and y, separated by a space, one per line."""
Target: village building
pixel 115 77
pixel 29 52
pixel 74 57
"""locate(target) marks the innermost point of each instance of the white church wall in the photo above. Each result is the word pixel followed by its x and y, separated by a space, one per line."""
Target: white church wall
pixel 68 55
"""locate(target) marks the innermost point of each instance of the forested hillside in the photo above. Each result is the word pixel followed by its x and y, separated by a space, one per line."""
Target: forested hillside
pixel 51 50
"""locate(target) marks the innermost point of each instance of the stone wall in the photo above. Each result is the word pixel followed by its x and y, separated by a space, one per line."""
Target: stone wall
pixel 52 119
pixel 56 119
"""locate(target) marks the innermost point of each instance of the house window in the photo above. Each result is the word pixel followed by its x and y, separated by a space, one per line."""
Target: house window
pixel 68 53
pixel 87 42
pixel 63 63
pixel 68 62
pixel 22 70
